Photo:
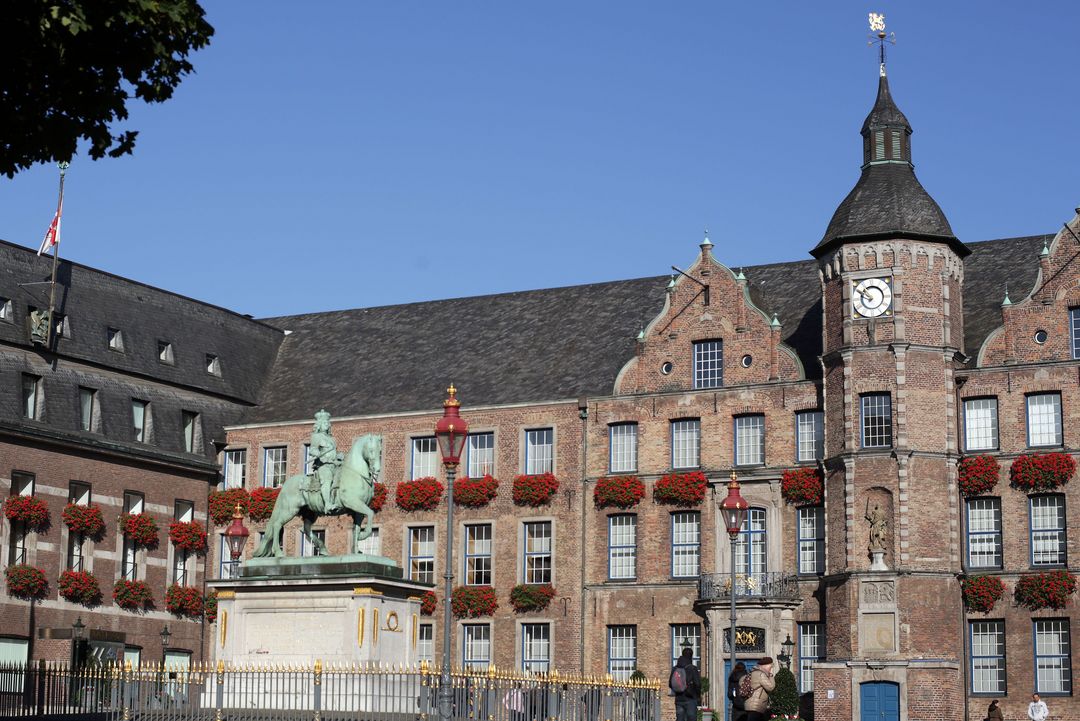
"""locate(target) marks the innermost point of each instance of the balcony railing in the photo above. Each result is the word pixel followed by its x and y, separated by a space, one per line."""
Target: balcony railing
pixel 752 586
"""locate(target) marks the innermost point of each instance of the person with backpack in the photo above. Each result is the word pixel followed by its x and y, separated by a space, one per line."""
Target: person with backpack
pixel 760 684
pixel 685 685
pixel 737 702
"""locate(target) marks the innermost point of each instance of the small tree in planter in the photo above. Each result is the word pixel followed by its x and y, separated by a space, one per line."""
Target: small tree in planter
pixel 784 700
pixel 681 489
pixel 475 492
pixel 28 510
pixel 526 597
pixel 535 490
pixel 618 492
pixel 79 587
pixel 1042 471
pixel 977 475
pixel 133 595
pixel 982 592
pixel 262 503
pixel 222 504
pixel 378 497
pixel 428 603
pixel 803 487
pixel 422 494
pixel 184 601
pixel 1050 589
pixel 188 536
pixel 84 520
pixel 473 601
pixel 26 582
pixel 141 528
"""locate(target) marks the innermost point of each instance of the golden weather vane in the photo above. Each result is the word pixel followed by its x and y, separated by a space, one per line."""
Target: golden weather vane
pixel 877 28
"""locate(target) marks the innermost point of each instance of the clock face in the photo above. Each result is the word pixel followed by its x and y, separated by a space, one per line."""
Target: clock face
pixel 872 297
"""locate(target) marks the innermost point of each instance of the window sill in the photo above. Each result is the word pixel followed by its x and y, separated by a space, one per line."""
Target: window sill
pixel 622 581
pixel 1048 567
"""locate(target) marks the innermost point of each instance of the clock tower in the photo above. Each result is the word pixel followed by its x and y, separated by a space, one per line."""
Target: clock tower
pixel 891 274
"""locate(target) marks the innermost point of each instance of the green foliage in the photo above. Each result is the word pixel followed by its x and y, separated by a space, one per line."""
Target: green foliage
pixel 785 697
pixel 70 66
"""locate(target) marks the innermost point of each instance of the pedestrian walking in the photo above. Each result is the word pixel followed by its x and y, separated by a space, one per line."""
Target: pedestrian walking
pixel 738 703
pixel 1037 710
pixel 762 684
pixel 685 684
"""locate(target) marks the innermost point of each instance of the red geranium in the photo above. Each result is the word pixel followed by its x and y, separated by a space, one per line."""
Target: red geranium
pixel 982 592
pixel 802 486
pixel 618 491
pixel 378 497
pixel 210 607
pixel 1050 589
pixel 535 490
pixel 423 494
pixel 184 601
pixel 223 504
pixel 133 595
pixel 188 536
pixel 977 475
pixel 27 509
pixel 531 597
pixel 26 582
pixel 473 601
pixel 262 503
pixel 475 492
pixel 1042 471
pixel 681 489
pixel 428 603
pixel 141 528
pixel 79 587
pixel 84 520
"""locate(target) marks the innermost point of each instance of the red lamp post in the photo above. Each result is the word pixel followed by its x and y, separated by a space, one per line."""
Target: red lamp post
pixel 236 535
pixel 450 431
pixel 733 509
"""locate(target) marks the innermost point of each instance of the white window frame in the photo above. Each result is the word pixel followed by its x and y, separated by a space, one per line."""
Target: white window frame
pixel 31 396
pixel 875 420
pixel 622 547
pixel 623 447
pixel 275 466
pixel 685 544
pixel 810 436
pixel 750 440
pixel 811 649
pixel 87 409
pixel 622 651
pixel 535 647
pixel 709 364
pixel 424 457
pixel 234 471
pixel 480 454
pixel 1048 523
pixel 420 553
pixel 372 545
pixel 538 541
pixel 425 642
pixel 1043 420
pixel 476 646
pixel 981 424
pixel 140 420
pixel 686 443
pixel 478 545
pixel 810 533
pixel 1053 655
pixel 539 451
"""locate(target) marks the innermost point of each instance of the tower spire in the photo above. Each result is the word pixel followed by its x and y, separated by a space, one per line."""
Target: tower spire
pixel 877 26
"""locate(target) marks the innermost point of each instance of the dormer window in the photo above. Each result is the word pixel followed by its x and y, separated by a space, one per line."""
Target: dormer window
pixel 879 145
pixel 165 352
pixel 213 365
pixel 116 340
pixel 7 310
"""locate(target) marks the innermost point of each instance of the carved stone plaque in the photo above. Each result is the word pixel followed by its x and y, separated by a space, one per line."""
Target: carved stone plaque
pixel 878 633
pixel 877 594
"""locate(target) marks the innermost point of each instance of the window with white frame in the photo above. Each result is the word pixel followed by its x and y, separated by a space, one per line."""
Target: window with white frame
pixel 480 455
pixel 192 431
pixel 133 656
pixel 116 339
pixel 535 647
pixel 980 424
pixel 478 554
pixel 235 470
pixel 1044 419
pixel 686 443
pixel 425 457
pixel 984 533
pixel 539 451
pixel 811 649
pixel 372 545
pixel 810 436
pixel 1074 331
pixel 275 458
pixel 1053 656
pixel 422 554
pixel 227 568
pixel 22 484
pixel 309 462
pixel 14 652
pixel 811 540
pixel 623 445
pixel 750 440
pixel 134 503
pixel 750 551
pixel 165 352
pixel 1047 530
pixel 622 547
pixel 876 420
pixel 476 651
pixel 425 642
pixel 537 535
pixel 88 415
pixel 183 512
pixel 681 633
pixel 140 412
pixel 709 364
pixel 213 364
pixel 622 651
pixel 685 544
pixel 307 548
pixel 31 396
pixel 79 495
pixel 987 657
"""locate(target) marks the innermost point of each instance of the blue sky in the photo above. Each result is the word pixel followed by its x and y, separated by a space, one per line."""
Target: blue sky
pixel 344 154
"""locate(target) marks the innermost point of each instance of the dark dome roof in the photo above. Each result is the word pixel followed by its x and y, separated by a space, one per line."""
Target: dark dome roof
pixel 885 113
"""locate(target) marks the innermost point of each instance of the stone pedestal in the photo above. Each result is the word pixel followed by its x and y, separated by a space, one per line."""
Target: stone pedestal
pixel 877 561
pixel 334 609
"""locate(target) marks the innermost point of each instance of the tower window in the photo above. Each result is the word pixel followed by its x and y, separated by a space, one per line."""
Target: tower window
pixel 897 148
pixel 879 145
pixel 876 420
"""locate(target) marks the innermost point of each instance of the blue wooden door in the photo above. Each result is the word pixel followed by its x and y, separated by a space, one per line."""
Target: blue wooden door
pixel 879 701
pixel 720 694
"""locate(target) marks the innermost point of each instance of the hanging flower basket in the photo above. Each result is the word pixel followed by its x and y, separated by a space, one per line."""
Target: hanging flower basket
pixel 618 492
pixel 223 504
pixel 982 592
pixel 1042 471
pixel 535 490
pixel 84 520
pixel 26 582
pixel 803 487
pixel 184 601
pixel 423 494
pixel 378 497
pixel 977 475
pixel 28 510
pixel 1050 589
pixel 210 607
pixel 475 492
pixel 428 603
pixel 132 595
pixel 526 597
pixel 79 587
pixel 262 503
pixel 473 601
pixel 681 489
pixel 188 536
pixel 141 528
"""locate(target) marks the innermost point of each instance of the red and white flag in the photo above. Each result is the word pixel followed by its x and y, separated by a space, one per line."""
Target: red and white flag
pixel 52 235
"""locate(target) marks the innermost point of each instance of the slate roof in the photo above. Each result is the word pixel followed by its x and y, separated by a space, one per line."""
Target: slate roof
pixel 552 344
pixel 885 113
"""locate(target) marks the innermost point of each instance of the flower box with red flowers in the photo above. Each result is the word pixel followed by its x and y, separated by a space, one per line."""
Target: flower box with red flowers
pixel 26 582
pixel 262 503
pixel 223 504
pixel 473 601
pixel 132 595
pixel 1049 589
pixel 535 490
pixel 1042 471
pixel 618 491
pixel 79 587
pixel 141 528
pixel 28 510
pixel 184 601
pixel 475 492
pixel 378 497
pixel 84 520
pixel 422 494
pixel 210 607
pixel 526 597
pixel 428 603
pixel 681 489
pixel 977 475
pixel 188 536
pixel 802 487
pixel 982 592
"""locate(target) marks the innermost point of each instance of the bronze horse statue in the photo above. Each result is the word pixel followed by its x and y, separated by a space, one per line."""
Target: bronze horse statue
pixel 356 486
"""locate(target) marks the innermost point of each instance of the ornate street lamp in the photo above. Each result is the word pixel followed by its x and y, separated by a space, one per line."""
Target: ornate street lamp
pixel 450 431
pixel 165 634
pixel 236 535
pixel 785 655
pixel 733 509
pixel 77 629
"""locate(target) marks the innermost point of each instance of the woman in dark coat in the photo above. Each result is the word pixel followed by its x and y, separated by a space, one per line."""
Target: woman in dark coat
pixel 993 713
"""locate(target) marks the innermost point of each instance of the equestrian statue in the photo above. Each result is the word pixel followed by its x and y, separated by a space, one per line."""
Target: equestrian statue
pixel 338 484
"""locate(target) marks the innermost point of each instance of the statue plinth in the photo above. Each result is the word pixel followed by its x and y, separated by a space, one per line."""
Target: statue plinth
pixel 877 560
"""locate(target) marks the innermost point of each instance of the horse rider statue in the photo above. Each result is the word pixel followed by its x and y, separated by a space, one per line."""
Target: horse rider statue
pixel 325 462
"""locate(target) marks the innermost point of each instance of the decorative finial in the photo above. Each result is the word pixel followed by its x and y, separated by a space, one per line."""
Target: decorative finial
pixel 740 276
pixel 63 165
pixel 1006 302
pixel 877 27
pixel 452 400
pixel 671 284
pixel 706 243
pixel 1046 249
pixel 775 321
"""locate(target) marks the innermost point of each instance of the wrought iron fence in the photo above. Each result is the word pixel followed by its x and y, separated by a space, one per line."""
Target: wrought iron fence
pixel 380 693
pixel 776 585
